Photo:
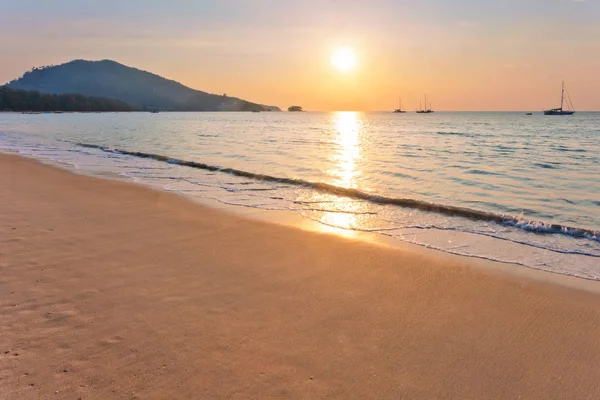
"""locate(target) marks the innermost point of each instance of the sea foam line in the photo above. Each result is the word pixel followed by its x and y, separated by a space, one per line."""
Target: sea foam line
pixel 507 220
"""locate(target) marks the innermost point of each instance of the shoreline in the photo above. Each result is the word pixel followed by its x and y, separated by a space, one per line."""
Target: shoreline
pixel 290 219
pixel 294 220
pixel 115 290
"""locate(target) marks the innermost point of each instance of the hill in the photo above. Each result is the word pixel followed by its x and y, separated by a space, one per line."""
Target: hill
pixel 23 100
pixel 140 89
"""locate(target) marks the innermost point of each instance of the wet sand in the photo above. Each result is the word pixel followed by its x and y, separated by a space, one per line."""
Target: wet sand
pixel 109 290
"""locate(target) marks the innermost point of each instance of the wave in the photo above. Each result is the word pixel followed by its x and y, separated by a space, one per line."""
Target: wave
pixel 568 149
pixel 495 236
pixel 507 220
pixel 481 172
pixel 385 232
pixel 545 165
pixel 455 134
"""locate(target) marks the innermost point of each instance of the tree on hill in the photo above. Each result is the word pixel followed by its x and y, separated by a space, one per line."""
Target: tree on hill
pixel 23 100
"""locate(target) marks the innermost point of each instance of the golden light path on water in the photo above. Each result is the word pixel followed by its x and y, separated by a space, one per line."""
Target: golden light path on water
pixel 343 214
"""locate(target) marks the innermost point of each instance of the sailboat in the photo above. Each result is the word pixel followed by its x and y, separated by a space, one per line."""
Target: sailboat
pixel 399 109
pixel 561 110
pixel 426 110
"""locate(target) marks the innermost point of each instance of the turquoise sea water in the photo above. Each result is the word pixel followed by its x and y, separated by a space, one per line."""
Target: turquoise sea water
pixel 505 186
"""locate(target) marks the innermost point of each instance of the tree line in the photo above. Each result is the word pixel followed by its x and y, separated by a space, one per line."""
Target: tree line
pixel 24 100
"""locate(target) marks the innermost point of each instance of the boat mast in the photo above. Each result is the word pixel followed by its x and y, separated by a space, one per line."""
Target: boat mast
pixel 562 96
pixel 425 102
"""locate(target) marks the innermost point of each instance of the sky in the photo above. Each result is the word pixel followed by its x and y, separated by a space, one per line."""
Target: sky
pixel 475 55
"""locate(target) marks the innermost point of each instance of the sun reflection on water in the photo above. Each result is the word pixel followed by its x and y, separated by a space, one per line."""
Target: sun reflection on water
pixel 341 215
pixel 347 126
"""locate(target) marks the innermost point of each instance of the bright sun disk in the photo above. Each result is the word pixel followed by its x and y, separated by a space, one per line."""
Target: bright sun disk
pixel 344 59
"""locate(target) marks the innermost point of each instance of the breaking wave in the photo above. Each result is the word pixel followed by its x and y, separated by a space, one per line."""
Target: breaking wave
pixel 502 219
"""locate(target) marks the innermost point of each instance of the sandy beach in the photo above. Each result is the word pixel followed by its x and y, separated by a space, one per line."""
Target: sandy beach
pixel 109 290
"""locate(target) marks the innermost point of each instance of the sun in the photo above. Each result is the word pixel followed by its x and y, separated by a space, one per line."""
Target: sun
pixel 343 59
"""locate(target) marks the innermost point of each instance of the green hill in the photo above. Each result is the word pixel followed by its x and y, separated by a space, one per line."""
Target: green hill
pixel 140 89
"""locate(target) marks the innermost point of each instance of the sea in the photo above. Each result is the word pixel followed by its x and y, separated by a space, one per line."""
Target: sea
pixel 509 187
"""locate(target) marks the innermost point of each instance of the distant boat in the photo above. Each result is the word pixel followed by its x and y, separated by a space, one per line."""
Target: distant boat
pixel 399 110
pixel 154 111
pixel 561 110
pixel 529 114
pixel 426 110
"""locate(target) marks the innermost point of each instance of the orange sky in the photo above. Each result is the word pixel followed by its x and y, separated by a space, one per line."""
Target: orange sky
pixel 465 54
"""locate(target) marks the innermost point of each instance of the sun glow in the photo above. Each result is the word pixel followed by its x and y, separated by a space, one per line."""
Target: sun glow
pixel 343 59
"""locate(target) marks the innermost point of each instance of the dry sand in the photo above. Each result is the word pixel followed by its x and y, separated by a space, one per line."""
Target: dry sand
pixel 113 291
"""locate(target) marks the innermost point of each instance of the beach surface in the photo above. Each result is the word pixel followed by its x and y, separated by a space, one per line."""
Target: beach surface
pixel 110 290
